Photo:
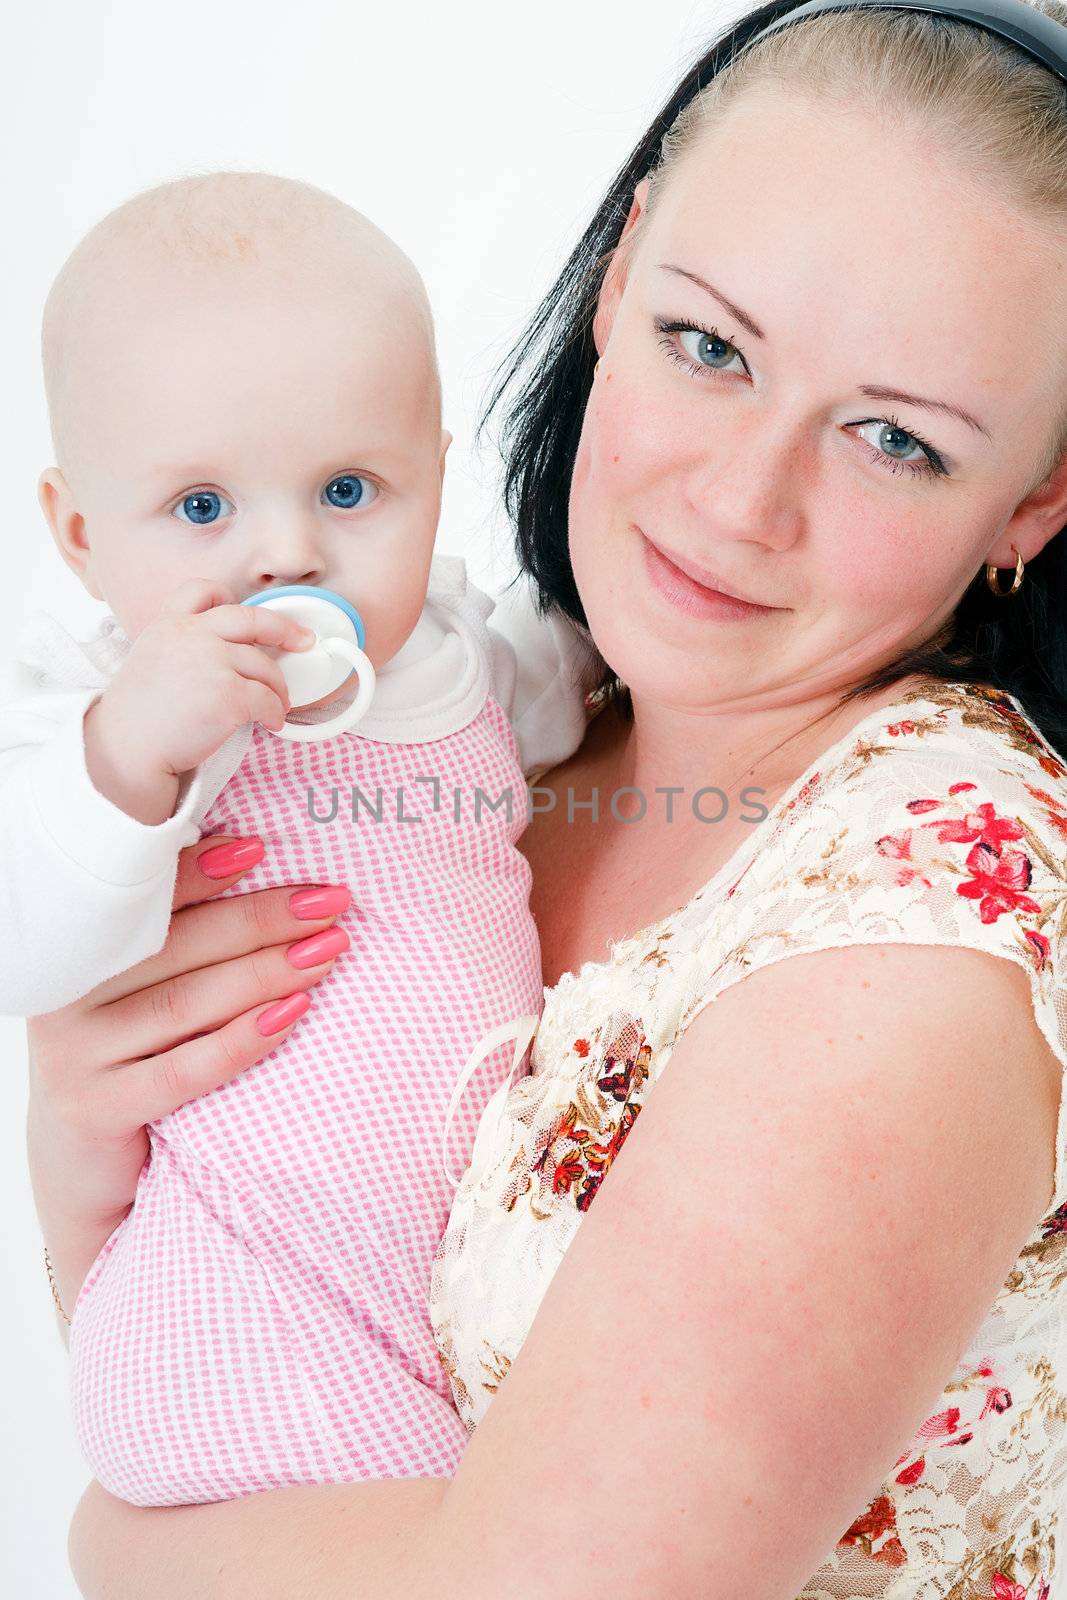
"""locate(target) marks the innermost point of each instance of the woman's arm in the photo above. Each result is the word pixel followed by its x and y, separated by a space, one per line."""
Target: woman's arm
pixel 780 1272
pixel 129 1051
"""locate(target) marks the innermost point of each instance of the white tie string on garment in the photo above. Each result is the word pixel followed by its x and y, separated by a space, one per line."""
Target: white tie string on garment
pixel 522 1030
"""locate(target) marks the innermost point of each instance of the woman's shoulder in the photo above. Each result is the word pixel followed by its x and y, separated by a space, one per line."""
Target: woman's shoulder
pixel 940 820
pixel 981 720
pixel 945 760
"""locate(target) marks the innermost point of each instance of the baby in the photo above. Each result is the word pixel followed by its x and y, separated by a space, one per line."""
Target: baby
pixel 244 395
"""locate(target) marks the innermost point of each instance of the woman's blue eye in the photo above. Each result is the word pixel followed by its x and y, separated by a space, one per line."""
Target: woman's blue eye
pixel 203 507
pixel 888 442
pixel 349 490
pixel 707 348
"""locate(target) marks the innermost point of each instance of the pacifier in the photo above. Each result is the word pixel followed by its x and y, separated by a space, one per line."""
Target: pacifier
pixel 338 650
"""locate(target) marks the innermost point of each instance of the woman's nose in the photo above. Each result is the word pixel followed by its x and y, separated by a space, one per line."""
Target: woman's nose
pixel 750 483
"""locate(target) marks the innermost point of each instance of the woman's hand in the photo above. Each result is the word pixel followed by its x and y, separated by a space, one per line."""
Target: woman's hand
pixel 188 1019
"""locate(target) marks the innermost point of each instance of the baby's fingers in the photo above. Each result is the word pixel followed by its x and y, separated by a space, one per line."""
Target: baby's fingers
pixel 196 595
pixel 252 662
pixel 258 625
pixel 259 703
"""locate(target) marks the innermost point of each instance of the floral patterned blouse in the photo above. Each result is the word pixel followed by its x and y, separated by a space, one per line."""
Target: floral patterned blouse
pixel 940 820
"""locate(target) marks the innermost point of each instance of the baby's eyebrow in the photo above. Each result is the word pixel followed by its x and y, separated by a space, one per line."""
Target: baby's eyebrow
pixel 182 473
pixel 359 456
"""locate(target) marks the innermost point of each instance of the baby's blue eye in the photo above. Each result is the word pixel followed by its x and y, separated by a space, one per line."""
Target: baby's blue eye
pixel 349 490
pixel 203 507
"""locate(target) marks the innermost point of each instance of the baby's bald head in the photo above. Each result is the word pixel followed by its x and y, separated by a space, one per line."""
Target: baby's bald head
pixel 243 387
pixel 236 233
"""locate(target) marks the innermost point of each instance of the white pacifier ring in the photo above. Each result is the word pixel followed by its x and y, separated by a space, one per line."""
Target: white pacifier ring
pixel 337 652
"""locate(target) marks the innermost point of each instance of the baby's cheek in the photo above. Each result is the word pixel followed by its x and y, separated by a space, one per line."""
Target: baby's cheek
pixel 391 608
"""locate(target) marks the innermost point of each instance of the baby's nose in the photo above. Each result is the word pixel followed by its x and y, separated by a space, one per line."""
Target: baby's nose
pixel 266 579
pixel 284 547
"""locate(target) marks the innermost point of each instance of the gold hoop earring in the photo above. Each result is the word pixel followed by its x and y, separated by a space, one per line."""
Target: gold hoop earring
pixel 991 577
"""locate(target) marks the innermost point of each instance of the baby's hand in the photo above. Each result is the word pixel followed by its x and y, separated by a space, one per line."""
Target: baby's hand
pixel 192 676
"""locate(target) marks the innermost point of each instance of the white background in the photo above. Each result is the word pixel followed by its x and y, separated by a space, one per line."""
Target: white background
pixel 480 135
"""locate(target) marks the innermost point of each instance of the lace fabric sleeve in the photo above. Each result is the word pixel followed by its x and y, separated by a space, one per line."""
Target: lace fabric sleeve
pixel 918 847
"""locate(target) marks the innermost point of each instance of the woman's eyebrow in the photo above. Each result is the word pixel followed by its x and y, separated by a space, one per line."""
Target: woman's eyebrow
pixel 874 391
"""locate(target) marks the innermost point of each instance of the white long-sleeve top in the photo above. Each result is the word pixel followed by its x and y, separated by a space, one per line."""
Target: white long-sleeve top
pixel 86 890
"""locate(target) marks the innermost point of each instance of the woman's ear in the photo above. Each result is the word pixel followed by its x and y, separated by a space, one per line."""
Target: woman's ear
pixel 1036 521
pixel 611 290
pixel 446 440
pixel 68 527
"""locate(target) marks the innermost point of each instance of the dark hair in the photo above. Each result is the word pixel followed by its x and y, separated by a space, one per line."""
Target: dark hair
pixel 1017 644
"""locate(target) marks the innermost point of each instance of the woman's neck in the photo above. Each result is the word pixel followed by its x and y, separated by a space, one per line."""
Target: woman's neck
pixel 730 749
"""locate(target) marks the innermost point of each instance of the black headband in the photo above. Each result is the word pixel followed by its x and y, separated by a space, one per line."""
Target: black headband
pixel 1040 35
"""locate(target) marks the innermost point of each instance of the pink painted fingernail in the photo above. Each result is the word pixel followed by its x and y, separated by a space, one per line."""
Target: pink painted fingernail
pixel 227 858
pixel 279 1016
pixel 317 947
pixel 309 903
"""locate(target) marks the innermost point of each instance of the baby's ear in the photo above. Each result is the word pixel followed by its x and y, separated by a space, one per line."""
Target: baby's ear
pixel 68 527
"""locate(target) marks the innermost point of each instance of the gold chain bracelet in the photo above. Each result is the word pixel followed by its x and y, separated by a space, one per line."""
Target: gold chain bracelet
pixel 48 1267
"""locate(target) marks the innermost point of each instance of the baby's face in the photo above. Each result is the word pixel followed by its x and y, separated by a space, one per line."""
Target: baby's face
pixel 244 429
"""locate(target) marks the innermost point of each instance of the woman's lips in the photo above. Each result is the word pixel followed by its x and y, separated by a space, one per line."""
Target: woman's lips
pixel 688 595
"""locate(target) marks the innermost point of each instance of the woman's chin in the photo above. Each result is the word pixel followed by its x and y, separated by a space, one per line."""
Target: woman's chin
pixel 666 663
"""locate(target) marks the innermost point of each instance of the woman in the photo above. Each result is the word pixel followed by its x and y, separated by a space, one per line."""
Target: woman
pixel 747 1375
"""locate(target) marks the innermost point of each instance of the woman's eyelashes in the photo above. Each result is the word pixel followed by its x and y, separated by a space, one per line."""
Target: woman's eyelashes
pixel 704 351
pixel 203 507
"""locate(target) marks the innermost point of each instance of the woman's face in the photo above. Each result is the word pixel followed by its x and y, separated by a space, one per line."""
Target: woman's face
pixel 753 455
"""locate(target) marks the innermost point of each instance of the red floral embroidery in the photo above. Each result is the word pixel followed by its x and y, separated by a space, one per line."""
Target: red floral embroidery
pixel 897 846
pixel 998 884
pixel 1056 1223
pixel 581 1047
pixel 998 879
pixel 736 881
pixel 567 1173
pixel 982 824
pixel 600 1157
pixel 896 728
pixel 1046 799
pixel 803 795
pixel 879 1521
pixel 1048 761
pixel 940 1424
pixel 997 1399
pixel 944 1427
pixel 620 1085
pixel 1056 813
pixel 567 1127
pixel 581 1170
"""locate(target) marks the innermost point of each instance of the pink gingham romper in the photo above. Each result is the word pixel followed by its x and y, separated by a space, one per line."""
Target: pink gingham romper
pixel 260 1318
